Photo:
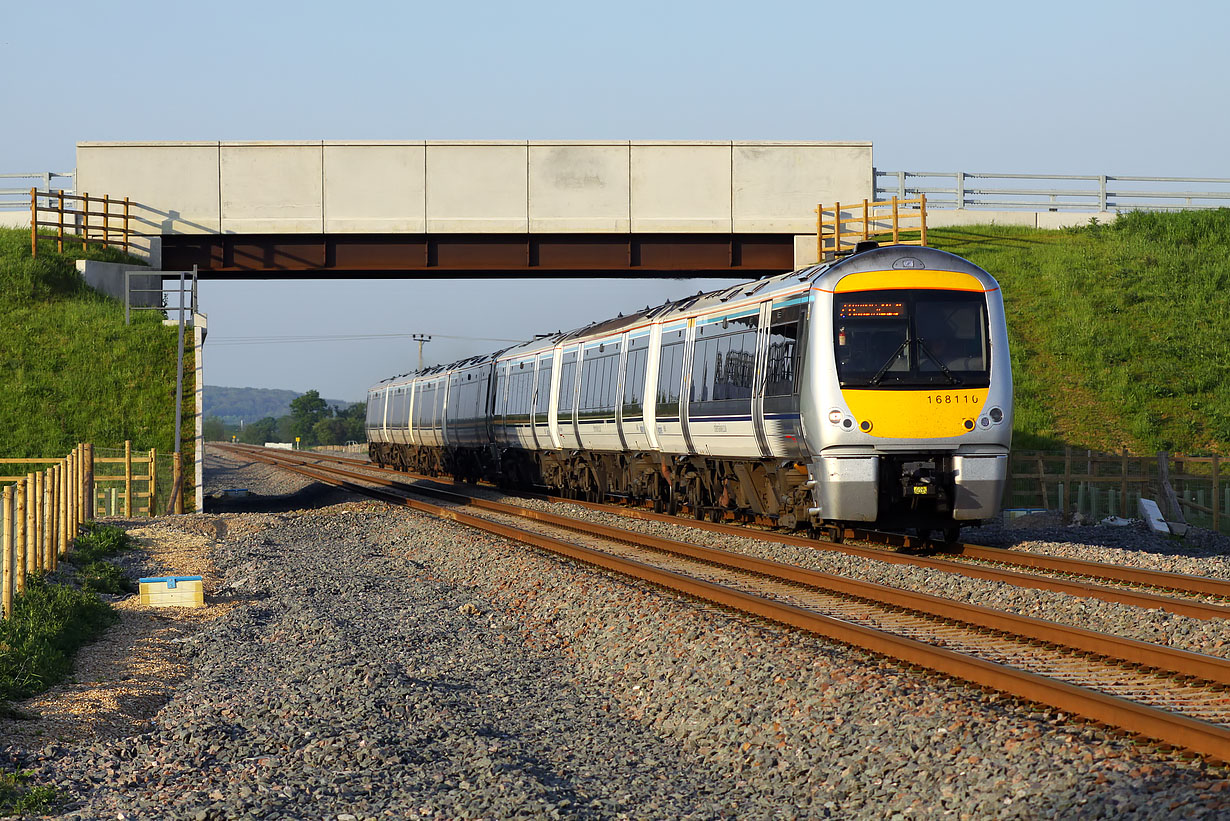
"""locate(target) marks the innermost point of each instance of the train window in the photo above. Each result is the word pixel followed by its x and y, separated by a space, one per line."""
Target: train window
pixel 670 378
pixel 543 405
pixel 782 365
pixel 567 383
pixel 723 360
pixel 634 381
pixel 912 338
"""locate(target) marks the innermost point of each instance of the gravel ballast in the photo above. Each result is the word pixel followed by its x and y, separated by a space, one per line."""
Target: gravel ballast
pixel 377 663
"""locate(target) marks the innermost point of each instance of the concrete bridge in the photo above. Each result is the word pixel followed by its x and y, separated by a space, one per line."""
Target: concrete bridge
pixel 477 208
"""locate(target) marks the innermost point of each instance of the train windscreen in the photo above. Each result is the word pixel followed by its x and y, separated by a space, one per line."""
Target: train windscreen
pixel 911 339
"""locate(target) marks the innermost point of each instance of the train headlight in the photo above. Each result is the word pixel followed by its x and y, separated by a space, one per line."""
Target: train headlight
pixel 985 422
pixel 835 416
pixel 847 423
pixel 969 424
pixel 996 415
pixel 864 426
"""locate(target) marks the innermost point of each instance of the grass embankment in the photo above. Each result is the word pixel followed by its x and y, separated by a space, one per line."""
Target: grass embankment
pixel 70 369
pixel 1120 333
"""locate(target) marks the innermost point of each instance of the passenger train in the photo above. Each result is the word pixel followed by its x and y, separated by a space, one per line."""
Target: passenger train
pixel 874 389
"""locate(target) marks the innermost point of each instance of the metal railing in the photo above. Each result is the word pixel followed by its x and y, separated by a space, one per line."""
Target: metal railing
pixel 15 188
pixel 146 298
pixel 1053 192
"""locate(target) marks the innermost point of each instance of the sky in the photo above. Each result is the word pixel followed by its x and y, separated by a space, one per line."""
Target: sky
pixel 1085 87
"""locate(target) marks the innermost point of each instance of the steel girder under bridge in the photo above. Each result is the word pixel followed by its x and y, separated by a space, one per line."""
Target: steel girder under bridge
pixel 479 255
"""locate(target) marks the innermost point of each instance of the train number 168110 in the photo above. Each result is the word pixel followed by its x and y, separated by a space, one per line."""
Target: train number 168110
pixel 951 399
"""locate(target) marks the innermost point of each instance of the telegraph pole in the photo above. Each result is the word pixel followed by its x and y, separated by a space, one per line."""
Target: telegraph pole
pixel 421 338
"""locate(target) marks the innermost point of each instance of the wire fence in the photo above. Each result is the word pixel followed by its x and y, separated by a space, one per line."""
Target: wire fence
pixel 132 483
pixel 1191 489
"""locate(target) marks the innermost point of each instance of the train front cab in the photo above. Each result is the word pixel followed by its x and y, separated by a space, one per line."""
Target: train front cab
pixel 916 401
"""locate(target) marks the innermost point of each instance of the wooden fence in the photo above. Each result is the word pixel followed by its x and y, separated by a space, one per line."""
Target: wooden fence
pixel 40 514
pixel 1189 489
pixel 837 234
pixel 111 225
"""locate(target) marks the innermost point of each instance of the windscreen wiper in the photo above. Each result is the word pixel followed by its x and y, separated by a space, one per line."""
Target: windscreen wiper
pixel 953 379
pixel 875 380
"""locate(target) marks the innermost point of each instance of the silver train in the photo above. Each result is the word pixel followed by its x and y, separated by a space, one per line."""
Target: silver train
pixel 875 389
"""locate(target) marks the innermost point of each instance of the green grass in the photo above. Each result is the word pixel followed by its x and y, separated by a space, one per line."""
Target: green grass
pixel 1120 333
pixel 48 624
pixel 89 551
pixel 70 369
pixel 18 797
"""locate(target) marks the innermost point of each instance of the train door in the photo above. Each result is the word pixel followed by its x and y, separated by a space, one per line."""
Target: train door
pixel 686 386
pixel 762 357
pixel 541 402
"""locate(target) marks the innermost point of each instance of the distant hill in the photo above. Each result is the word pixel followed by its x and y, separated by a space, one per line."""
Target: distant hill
pixel 233 405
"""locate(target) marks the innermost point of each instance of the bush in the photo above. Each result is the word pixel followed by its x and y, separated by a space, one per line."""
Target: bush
pixel 97 542
pixel 104 577
pixel 48 625
pixel 16 797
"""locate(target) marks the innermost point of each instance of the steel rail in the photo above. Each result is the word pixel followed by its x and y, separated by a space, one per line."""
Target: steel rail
pixel 1179 582
pixel 1202 737
pixel 1181 662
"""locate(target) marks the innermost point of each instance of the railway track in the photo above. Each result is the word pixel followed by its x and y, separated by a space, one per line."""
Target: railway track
pixel 1172 696
pixel 1194 596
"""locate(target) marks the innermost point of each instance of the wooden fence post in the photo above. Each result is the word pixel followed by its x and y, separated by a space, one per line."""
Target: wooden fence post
pixel 64 504
pixel 6 547
pixel 34 222
pixel 153 482
pixel 127 479
pixel 19 542
pixel 90 505
pixel 79 502
pixel 1216 494
pixel 37 519
pixel 1175 514
pixel 70 520
pixel 31 525
pixel 176 503
pixel 1067 482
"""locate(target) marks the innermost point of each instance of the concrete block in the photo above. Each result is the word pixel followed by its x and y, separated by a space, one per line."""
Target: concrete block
pixel 375 187
pixel 579 187
pixel 272 188
pixel 1068 219
pixel 680 187
pixel 1152 514
pixel 944 218
pixel 173 185
pixel 777 186
pixel 477 187
pixel 108 277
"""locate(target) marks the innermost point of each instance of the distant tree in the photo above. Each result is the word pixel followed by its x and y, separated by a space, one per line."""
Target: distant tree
pixel 332 431
pixel 355 416
pixel 305 412
pixel 260 432
pixel 214 430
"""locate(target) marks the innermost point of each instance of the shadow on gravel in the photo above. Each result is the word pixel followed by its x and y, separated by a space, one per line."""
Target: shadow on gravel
pixel 309 498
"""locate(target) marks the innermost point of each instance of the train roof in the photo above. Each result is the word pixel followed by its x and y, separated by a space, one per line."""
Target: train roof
pixel 824 275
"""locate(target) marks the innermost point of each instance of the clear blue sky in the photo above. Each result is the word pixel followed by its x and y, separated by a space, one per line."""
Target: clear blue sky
pixel 1126 88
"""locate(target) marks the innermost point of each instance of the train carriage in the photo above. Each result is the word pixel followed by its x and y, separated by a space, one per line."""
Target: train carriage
pixel 872 389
